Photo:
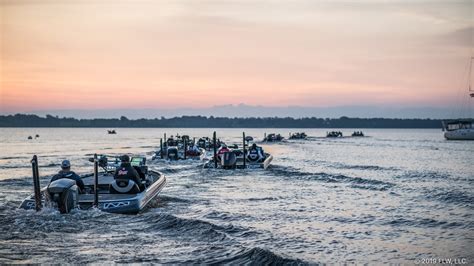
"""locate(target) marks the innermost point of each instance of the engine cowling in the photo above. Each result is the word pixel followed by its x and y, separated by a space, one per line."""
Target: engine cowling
pixel 228 160
pixel 173 153
pixel 63 193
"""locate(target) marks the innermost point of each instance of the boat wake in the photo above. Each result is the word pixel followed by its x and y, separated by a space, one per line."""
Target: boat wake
pixel 423 222
pixel 362 167
pixel 79 227
pixel 425 175
pixel 164 198
pixel 356 182
pixel 23 166
pixel 457 197
pixel 258 256
pixel 17 182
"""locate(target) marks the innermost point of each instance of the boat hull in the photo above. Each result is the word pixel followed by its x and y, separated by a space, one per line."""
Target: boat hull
pixel 180 156
pixel 248 165
pixel 460 134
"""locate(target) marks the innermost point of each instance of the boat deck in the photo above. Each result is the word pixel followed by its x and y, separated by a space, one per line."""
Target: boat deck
pixel 239 164
pixel 104 183
pixel 103 180
pixel 89 198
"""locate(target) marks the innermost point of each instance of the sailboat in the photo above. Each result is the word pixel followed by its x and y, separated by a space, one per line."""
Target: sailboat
pixel 460 129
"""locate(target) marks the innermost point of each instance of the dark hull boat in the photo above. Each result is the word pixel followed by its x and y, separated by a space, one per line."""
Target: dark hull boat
pixel 237 158
pixel 233 160
pixel 178 149
pixel 334 134
pixel 272 137
pixel 175 153
pixel 358 134
pixel 63 193
pixel 298 135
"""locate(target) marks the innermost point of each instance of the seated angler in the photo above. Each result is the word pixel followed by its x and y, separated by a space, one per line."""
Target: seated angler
pixel 202 143
pixel 195 150
pixel 171 142
pixel 223 149
pixel 67 173
pixel 255 153
pixel 126 173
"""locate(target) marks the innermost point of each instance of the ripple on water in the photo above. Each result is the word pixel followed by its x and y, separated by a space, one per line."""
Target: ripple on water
pixel 357 200
pixel 457 197
pixel 356 182
pixel 258 256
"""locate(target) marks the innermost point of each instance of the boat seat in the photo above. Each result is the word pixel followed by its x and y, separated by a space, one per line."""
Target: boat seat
pixel 124 186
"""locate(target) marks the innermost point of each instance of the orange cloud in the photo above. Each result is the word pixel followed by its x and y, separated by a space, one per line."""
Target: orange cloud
pixel 58 55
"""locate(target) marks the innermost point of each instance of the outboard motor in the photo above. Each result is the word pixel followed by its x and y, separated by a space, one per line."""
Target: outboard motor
pixel 185 138
pixel 201 143
pixel 228 160
pixel 64 193
pixel 173 153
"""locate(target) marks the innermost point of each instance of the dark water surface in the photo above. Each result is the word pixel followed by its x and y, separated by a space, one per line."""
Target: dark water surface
pixel 396 196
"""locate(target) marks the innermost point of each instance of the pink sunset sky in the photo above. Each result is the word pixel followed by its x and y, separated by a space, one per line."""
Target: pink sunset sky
pixel 168 54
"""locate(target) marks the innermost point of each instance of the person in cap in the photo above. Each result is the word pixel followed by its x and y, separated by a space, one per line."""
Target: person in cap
pixel 223 149
pixel 126 171
pixel 193 150
pixel 67 173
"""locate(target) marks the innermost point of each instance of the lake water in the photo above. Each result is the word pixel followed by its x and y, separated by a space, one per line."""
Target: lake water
pixel 396 196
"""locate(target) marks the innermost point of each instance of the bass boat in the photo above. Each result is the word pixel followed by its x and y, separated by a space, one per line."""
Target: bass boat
pixel 101 191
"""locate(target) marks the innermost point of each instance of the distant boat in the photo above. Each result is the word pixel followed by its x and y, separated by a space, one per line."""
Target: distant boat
pixel 238 156
pixel 298 135
pixel 460 129
pixel 111 132
pixel 180 148
pixel 272 137
pixel 358 134
pixel 248 138
pixel 334 134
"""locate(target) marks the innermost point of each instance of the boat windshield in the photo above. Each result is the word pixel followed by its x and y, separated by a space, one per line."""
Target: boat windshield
pixel 459 125
pixel 137 161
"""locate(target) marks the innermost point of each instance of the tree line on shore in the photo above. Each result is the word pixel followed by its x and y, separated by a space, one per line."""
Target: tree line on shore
pixel 26 120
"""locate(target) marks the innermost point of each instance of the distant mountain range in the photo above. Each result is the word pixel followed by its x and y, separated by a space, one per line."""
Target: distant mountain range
pixel 243 110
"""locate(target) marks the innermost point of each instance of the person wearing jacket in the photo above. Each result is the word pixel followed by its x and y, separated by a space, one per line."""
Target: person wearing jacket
pixel 67 173
pixel 127 172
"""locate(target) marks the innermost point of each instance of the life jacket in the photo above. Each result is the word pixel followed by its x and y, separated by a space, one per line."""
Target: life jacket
pixel 126 180
pixel 70 175
pixel 253 155
pixel 194 151
pixel 126 171
pixel 222 151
